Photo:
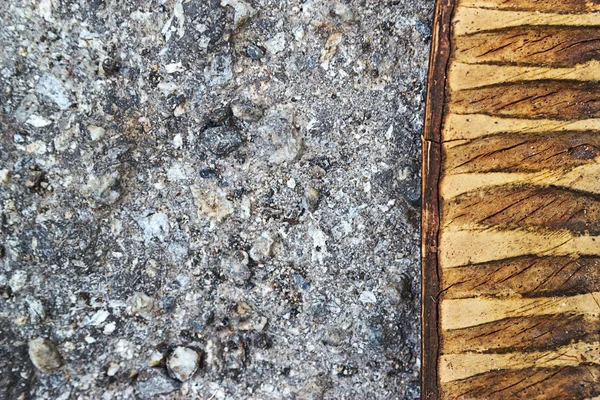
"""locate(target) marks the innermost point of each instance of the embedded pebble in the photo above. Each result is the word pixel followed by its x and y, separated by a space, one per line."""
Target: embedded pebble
pixel 43 355
pixel 4 176
pixel 112 369
pixel 262 248
pixel 155 226
pixel 219 71
pixel 211 204
pixel 183 363
pixel 276 44
pixel 96 132
pixel 253 51
pixel 141 304
pixel 53 89
pixel 156 358
pixel 154 382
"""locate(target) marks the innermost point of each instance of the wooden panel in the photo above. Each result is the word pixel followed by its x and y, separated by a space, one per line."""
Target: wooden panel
pixel 511 201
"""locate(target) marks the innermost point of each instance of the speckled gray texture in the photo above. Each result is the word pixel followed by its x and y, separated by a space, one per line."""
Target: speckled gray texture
pixel 239 178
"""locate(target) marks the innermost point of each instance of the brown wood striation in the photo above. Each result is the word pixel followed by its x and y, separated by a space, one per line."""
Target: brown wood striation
pixel 544 99
pixel 526 207
pixel 542 332
pixel 524 45
pixel 522 152
pixel 527 276
pixel 572 383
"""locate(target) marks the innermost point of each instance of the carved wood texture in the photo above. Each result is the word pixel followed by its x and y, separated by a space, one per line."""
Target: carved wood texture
pixel 511 201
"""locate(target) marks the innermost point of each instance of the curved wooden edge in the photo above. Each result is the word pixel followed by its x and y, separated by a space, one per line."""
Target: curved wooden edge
pixel 430 217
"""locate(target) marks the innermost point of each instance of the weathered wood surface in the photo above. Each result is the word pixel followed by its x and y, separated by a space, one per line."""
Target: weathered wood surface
pixel 511 201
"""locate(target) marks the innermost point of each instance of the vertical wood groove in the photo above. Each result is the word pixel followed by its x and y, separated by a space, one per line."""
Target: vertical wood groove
pixel 430 219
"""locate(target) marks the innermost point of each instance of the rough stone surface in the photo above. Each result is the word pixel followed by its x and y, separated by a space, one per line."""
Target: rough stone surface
pixel 143 143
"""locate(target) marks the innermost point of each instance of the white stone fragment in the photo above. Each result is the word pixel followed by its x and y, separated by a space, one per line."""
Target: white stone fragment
pixel 37 121
pixel 4 176
pixel 367 297
pixel 125 349
pixel 36 310
pixel 179 110
pixel 112 369
pixel 183 363
pixel 343 11
pixel 174 67
pixel 155 226
pixel 262 247
pixel 140 304
pixel 45 10
pixel 96 132
pixel 276 44
pixel 176 173
pixel 167 87
pixel 97 319
pixel 109 328
pixel 177 141
pixel 53 88
pixel 18 280
pixel 155 359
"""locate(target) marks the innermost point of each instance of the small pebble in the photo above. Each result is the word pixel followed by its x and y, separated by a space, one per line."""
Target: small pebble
pixel 141 304
pixel 4 176
pixel 110 66
pixel 153 382
pixel 112 369
pixel 156 359
pixel 43 355
pixel 183 363
pixel 96 132
pixel 255 52
pixel 109 328
pixel 311 198
pixel 262 248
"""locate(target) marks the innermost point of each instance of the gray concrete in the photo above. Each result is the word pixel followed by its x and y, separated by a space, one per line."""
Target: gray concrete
pixel 237 180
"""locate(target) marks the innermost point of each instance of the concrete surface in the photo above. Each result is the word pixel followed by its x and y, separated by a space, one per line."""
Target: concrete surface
pixel 219 192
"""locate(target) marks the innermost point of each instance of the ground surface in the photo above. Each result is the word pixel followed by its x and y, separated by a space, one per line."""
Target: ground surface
pixel 237 178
